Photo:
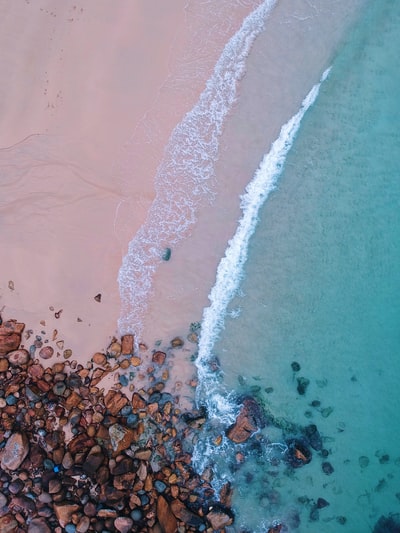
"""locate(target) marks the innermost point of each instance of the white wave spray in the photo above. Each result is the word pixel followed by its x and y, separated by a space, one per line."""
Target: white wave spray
pixel 184 176
pixel 230 268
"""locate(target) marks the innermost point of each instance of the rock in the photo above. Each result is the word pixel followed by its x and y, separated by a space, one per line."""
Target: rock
pixel 135 361
pixel 313 437
pixel 3 501
pixel 138 402
pixel 8 524
pixel 219 517
pixel 38 525
pixel 18 357
pixel 114 349
pixel 321 503
pixel 298 454
pixel 64 512
pixel 93 460
pixel 99 359
pixel 166 255
pixel 46 352
pixel 276 528
pixel 83 525
pixel 327 468
pixel 23 503
pixel 15 451
pixel 127 342
pixel 302 384
pixel 387 524
pixel 4 364
pixel 121 437
pixel 165 516
pixel 115 401
pixel 80 443
pixel 295 366
pixel 73 400
pixel 183 514
pixel 10 336
pixel 123 524
pixel 177 342
pixel 158 358
pixel 248 421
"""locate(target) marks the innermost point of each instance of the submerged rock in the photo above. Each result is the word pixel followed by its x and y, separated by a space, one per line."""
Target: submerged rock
pixel 388 524
pixel 166 255
pixel 298 453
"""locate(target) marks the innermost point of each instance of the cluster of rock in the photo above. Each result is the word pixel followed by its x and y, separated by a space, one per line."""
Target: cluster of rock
pixel 75 458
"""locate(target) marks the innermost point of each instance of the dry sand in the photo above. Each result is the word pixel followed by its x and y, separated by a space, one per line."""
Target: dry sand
pixel 77 79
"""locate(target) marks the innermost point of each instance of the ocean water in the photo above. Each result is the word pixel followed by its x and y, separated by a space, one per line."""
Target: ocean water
pixel 184 178
pixel 312 330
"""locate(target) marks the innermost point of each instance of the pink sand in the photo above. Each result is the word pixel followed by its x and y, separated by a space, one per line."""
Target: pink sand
pixel 90 94
pixel 77 79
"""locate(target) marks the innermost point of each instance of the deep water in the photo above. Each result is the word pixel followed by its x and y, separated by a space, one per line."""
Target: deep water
pixel 321 288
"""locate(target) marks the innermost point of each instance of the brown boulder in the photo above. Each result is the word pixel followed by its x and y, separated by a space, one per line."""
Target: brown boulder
pixel 159 358
pixel 18 357
pixel 15 451
pixel 115 401
pixel 46 352
pixel 219 518
pixel 183 514
pixel 121 437
pixel 80 443
pixel 123 524
pixel 8 524
pixel 248 421
pixel 127 344
pixel 138 402
pixel 10 336
pixel 64 513
pixel 165 516
pixel 38 525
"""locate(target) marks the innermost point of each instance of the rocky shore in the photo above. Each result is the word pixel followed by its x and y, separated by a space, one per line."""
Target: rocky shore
pixel 75 457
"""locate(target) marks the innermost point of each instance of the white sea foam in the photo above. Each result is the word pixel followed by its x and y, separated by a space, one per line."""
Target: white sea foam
pixel 184 177
pixel 230 269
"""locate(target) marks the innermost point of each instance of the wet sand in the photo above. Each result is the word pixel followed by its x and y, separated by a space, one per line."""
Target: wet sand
pixel 283 65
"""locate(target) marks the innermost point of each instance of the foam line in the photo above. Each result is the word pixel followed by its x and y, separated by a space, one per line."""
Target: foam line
pixel 185 174
pixel 230 268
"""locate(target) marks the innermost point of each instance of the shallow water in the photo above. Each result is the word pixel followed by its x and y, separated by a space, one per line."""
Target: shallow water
pixel 321 288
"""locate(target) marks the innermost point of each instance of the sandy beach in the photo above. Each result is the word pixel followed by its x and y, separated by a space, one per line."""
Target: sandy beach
pixel 90 96
pixel 80 78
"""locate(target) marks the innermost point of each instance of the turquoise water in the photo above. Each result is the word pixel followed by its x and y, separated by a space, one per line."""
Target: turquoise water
pixel 322 288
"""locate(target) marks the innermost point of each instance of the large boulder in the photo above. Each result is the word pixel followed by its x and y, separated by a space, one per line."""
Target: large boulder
pixel 10 336
pixel 15 451
pixel 248 421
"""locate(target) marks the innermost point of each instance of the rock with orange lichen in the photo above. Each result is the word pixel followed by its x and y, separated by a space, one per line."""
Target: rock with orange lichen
pixel 127 344
pixel 10 336
pixel 248 421
pixel 115 401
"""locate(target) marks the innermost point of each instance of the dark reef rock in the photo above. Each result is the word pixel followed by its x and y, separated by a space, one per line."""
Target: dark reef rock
pixel 388 524
pixel 298 453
